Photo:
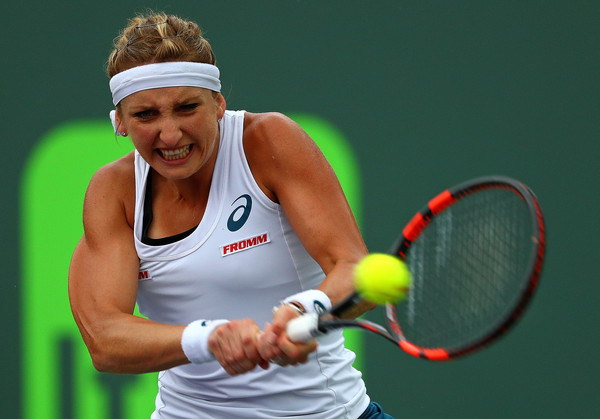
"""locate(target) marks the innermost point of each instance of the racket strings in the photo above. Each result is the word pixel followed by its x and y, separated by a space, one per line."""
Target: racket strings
pixel 468 266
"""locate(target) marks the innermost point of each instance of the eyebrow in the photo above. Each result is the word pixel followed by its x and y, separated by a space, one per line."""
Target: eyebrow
pixel 178 102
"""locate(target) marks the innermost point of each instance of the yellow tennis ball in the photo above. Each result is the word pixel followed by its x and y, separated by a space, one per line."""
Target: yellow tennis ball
pixel 381 278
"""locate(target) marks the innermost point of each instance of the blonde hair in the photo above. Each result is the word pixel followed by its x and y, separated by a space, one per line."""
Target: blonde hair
pixel 156 38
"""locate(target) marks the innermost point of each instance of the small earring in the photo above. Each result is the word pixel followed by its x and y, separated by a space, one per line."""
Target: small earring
pixel 123 134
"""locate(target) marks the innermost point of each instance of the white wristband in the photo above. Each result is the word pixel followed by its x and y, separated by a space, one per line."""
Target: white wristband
pixel 194 340
pixel 313 301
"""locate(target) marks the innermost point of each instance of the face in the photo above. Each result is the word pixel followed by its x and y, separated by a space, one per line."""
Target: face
pixel 175 129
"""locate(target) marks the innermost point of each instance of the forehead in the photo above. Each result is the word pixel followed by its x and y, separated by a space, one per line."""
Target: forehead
pixel 165 95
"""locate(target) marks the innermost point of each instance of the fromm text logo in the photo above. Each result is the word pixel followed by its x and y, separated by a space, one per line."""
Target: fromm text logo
pixel 245 244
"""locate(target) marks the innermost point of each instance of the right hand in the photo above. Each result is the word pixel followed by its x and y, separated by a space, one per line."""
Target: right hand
pixel 234 345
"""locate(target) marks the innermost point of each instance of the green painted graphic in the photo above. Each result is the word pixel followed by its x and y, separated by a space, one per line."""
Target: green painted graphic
pixel 59 380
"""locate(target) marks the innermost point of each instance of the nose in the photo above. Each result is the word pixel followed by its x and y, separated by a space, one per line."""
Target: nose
pixel 170 131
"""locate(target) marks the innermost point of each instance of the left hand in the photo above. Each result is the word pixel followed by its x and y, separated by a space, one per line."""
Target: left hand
pixel 275 345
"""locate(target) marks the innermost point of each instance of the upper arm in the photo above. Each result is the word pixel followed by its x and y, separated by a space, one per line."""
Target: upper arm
pixel 103 271
pixel 288 164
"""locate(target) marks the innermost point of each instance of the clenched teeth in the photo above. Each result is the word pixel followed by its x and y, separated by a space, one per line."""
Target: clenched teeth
pixel 177 153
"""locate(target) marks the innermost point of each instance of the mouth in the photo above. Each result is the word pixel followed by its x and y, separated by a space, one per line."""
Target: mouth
pixel 176 153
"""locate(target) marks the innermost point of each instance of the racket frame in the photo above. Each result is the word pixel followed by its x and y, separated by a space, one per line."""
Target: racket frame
pixel 423 218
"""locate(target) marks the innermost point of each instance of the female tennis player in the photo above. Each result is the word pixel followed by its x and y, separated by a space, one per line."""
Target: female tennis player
pixel 216 218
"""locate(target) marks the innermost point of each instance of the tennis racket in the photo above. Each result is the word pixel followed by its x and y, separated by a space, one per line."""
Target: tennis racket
pixel 475 253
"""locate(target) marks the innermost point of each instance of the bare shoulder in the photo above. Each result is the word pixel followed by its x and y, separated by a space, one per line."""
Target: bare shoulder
pixel 112 188
pixel 265 122
pixel 279 151
pixel 276 134
pixel 117 176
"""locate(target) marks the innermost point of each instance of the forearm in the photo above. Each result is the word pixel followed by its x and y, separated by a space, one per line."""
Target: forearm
pixel 124 343
pixel 339 285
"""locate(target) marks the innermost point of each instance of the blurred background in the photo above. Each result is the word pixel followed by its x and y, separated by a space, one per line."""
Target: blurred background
pixel 420 96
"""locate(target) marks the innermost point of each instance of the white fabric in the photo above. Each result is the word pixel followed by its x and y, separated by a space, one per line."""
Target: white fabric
pixel 194 340
pixel 169 74
pixel 204 276
pixel 157 75
pixel 312 301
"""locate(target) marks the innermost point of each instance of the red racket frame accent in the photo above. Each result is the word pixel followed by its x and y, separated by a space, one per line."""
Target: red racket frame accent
pixel 422 219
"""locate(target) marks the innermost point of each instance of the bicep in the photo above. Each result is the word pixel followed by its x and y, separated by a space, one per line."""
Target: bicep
pixel 103 271
pixel 103 280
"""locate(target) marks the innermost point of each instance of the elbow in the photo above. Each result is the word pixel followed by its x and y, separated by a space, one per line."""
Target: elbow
pixel 105 351
pixel 100 365
pixel 109 357
pixel 102 360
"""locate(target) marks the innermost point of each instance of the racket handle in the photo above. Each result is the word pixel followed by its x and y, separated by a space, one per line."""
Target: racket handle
pixel 303 328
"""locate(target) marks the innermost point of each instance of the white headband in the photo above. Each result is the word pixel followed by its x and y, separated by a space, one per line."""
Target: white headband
pixel 169 74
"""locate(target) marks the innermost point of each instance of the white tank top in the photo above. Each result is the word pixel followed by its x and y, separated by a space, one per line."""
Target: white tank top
pixel 241 260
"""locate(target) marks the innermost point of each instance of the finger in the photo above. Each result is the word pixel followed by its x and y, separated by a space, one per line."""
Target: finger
pixel 267 344
pixel 216 346
pixel 269 335
pixel 279 360
pixel 250 342
pixel 244 354
pixel 232 357
pixel 282 316
pixel 295 353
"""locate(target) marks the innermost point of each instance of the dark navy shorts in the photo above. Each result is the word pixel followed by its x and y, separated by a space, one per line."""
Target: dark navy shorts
pixel 374 411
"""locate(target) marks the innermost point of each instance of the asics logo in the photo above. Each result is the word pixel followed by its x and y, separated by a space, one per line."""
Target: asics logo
pixel 240 214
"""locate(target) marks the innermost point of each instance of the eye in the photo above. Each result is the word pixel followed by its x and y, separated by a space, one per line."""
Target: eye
pixel 188 107
pixel 145 114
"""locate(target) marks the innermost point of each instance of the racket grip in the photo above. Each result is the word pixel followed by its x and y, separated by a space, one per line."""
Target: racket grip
pixel 303 328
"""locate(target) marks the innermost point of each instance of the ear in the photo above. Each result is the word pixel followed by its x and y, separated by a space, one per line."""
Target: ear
pixel 221 105
pixel 118 118
pixel 116 121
